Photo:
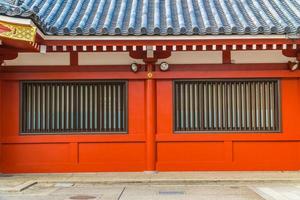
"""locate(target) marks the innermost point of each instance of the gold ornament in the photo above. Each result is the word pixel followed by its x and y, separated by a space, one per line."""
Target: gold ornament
pixel 19 32
pixel 150 75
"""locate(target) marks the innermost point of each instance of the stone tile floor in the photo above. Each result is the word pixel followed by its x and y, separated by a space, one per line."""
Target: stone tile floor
pixel 161 186
pixel 141 191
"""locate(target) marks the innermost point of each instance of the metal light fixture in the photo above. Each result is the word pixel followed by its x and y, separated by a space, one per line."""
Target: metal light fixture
pixel 134 67
pixel 164 66
pixel 293 65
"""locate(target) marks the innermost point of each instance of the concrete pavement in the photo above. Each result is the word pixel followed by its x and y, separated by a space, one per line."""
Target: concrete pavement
pixel 161 177
pixel 160 186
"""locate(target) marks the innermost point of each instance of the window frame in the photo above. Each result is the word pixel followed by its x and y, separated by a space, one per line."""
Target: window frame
pixel 251 132
pixel 66 133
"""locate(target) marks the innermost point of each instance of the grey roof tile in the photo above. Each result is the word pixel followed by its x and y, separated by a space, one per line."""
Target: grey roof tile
pixel 158 17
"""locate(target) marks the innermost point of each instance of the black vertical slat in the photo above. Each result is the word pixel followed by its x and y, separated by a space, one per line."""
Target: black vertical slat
pixel 225 106
pixel 102 111
pixel 186 101
pixel 57 107
pixel 93 107
pixel 24 107
pixel 54 96
pixel 81 106
pixel 238 106
pixel 268 105
pixel 38 108
pixel 253 100
pixel 109 108
pixel 276 103
pixel 210 106
pixel 182 111
pixel 121 87
pixel 248 110
pixel 272 107
pixel 123 106
pixel 66 107
pixel 75 108
pixel 114 110
pixel 183 107
pixel 262 103
pixel 191 107
pixel 33 108
pixel 43 108
pixel 200 105
pixel 258 106
pixel 229 110
pixel 205 108
pixel 196 100
pixel 99 112
pixel 244 106
pixel 234 106
pixel 51 108
pixel 88 110
pixel 29 116
pixel 117 108
pixel 220 109
pixel 105 113
pixel 215 106
pixel 85 107
pixel 61 107
pixel 47 108
pixel 176 100
pixel 71 107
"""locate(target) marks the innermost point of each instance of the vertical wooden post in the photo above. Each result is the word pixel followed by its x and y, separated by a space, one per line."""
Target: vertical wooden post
pixel 226 57
pixel 74 59
pixel 150 120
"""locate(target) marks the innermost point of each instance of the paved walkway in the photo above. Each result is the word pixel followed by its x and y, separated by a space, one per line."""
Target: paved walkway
pixel 160 186
pixel 140 177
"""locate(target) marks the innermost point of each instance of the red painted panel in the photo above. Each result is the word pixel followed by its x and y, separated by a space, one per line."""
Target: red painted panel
pixel 10 103
pixel 190 151
pixel 164 107
pixel 136 107
pixel 18 154
pixel 121 153
pixel 290 97
pixel 266 155
pixel 190 156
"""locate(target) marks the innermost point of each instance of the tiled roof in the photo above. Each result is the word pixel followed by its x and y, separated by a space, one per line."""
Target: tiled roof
pixel 158 17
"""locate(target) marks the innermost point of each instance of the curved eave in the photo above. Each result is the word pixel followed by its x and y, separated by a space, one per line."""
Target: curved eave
pixel 153 40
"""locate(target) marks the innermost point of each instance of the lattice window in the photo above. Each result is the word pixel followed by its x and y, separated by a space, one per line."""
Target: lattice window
pixel 74 106
pixel 227 105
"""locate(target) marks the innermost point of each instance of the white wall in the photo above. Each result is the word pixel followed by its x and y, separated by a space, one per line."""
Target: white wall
pixel 123 58
pixel 37 59
pixel 195 57
pixel 106 58
pixel 259 56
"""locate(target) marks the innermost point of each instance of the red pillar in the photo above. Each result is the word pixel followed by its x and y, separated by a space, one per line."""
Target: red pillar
pixel 150 120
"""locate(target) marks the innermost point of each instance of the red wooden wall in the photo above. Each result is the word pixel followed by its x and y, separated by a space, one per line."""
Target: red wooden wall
pixel 175 152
